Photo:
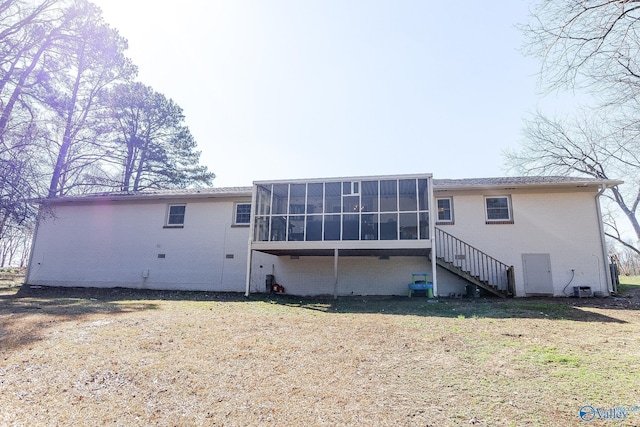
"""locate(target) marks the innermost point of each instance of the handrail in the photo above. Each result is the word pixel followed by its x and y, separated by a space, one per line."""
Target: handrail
pixel 473 261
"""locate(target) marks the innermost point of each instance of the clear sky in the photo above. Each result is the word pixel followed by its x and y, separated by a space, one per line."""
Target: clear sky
pixel 279 89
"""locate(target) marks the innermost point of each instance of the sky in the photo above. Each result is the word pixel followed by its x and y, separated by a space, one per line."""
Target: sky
pixel 294 89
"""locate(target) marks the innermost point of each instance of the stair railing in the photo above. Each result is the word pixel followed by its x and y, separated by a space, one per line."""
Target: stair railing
pixel 475 262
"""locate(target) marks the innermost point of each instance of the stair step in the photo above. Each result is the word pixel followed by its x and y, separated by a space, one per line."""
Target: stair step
pixel 473 279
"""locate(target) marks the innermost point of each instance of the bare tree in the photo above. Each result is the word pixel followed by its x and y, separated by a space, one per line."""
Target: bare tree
pixel 587 44
pixel 27 32
pixel 93 57
pixel 55 57
pixel 627 261
pixel 59 60
pixel 594 46
pixel 584 147
pixel 14 245
pixel 19 179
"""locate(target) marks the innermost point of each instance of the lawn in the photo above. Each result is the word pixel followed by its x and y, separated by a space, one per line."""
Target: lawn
pixel 118 357
pixel 628 283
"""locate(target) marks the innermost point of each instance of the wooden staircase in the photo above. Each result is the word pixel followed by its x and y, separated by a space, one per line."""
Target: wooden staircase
pixel 473 265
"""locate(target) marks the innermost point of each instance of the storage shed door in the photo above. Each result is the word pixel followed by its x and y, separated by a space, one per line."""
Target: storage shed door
pixel 537 274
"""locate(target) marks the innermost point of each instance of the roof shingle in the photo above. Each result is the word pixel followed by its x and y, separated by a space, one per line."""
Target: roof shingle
pixel 438 184
pixel 519 181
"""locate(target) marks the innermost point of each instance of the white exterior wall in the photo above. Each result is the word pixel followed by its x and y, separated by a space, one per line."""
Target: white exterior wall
pixel 564 225
pixel 112 244
pixel 356 275
pixel 314 275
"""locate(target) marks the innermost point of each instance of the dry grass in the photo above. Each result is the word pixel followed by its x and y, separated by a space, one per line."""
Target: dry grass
pixel 116 357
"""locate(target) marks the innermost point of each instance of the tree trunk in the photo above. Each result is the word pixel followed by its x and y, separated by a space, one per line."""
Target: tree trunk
pixel 8 108
pixel 130 162
pixel 67 139
pixel 46 44
pixel 143 159
pixel 629 213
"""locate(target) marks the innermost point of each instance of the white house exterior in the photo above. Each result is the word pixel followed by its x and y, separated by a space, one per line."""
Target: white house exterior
pixel 342 236
pixel 345 236
pixel 552 233
pixel 129 241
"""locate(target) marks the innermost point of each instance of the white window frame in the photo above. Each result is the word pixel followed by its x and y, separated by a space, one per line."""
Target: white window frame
pixel 235 214
pixel 353 188
pixel 508 220
pixel 168 223
pixel 444 221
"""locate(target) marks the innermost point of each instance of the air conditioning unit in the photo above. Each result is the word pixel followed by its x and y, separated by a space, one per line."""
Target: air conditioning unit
pixel 582 292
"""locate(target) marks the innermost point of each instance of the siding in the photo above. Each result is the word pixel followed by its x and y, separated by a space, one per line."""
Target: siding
pixel 115 244
pixel 562 224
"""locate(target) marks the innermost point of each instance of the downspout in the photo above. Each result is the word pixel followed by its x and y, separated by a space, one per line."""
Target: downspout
pixel 252 220
pixel 603 244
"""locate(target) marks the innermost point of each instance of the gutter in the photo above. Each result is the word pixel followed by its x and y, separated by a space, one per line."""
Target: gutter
pixel 122 197
pixel 462 186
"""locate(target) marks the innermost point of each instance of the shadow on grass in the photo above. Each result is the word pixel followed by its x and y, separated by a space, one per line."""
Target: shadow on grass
pixel 25 312
pixel 123 294
pixel 70 301
pixel 550 308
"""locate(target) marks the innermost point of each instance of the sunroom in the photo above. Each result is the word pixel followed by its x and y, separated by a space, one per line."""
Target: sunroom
pixel 374 217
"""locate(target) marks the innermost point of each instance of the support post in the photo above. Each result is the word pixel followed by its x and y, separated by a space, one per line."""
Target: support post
pixel 434 267
pixel 432 238
pixel 249 262
pixel 335 273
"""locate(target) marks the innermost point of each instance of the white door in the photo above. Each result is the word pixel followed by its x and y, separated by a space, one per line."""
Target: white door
pixel 537 274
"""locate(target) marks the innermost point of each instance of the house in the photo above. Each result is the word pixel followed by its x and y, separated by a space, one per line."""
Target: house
pixel 517 236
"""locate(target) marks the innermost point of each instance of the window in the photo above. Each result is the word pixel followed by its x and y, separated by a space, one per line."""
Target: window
pixel 332 198
pixel 389 196
pixel 407 195
pixel 408 226
pixel 243 214
pixel 445 210
pixel 345 210
pixel 498 209
pixel 296 228
pixel 350 187
pixel 175 216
